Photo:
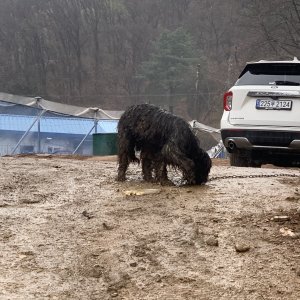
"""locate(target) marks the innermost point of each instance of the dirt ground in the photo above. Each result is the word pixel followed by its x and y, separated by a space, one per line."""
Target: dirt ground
pixel 69 231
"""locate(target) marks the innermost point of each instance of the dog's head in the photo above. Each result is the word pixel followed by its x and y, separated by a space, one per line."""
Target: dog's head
pixel 202 167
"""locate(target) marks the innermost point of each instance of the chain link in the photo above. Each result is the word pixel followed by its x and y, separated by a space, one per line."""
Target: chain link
pixel 253 176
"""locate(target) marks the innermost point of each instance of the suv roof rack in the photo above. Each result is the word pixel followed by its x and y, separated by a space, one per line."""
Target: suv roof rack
pixel 295 60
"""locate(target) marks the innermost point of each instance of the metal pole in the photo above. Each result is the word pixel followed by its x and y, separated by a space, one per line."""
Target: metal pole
pixel 24 135
pixel 83 139
pixel 39 137
pixel 197 100
pixel 95 121
pixel 39 125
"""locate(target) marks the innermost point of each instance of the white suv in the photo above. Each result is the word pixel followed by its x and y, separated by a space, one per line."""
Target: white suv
pixel 261 119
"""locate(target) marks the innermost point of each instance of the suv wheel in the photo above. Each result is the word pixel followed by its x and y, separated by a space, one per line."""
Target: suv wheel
pixel 238 160
pixel 254 164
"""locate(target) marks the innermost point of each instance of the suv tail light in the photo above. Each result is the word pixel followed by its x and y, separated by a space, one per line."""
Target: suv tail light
pixel 227 101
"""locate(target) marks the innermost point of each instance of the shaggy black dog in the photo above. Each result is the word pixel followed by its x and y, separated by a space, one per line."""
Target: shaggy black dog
pixel 164 140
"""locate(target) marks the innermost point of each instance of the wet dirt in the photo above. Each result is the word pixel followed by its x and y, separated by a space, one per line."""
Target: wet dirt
pixel 69 231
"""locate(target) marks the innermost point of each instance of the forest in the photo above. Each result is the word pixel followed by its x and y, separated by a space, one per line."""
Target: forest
pixel 179 54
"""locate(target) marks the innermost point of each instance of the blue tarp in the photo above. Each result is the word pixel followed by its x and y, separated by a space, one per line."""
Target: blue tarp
pixel 63 125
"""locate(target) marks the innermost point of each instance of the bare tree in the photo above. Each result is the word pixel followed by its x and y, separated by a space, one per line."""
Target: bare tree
pixel 90 52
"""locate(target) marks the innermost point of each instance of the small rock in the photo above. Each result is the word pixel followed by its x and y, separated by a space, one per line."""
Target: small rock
pixel 195 232
pixel 106 227
pixel 133 264
pixel 196 208
pixel 298 272
pixel 30 201
pixel 27 253
pixel 187 242
pixel 212 241
pixel 87 214
pixel 287 232
pixel 296 235
pixel 188 220
pixel 292 198
pixel 96 271
pixel 242 247
pixel 281 218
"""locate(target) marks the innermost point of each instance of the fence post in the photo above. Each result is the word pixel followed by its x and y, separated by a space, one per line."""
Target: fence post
pixel 24 135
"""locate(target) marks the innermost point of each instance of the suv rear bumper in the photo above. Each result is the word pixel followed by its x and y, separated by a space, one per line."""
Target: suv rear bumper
pixel 260 139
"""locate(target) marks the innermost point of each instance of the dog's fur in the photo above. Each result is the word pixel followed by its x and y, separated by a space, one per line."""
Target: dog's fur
pixel 164 140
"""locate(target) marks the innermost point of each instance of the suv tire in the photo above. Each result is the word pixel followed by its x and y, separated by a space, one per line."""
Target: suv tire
pixel 238 160
pixel 254 164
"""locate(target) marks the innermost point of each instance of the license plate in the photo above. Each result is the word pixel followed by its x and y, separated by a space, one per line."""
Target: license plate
pixel 274 104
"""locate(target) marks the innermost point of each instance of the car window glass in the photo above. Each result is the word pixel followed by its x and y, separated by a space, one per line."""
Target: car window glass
pixel 270 74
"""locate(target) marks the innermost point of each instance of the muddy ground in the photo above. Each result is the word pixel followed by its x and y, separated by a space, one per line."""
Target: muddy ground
pixel 68 231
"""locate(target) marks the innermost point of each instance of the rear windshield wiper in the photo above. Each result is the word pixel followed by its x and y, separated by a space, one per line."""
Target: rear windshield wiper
pixel 283 82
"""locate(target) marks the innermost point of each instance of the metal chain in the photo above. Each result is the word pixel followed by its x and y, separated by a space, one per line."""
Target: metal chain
pixel 253 176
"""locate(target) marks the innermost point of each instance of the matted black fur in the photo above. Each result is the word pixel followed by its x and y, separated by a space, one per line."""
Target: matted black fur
pixel 164 140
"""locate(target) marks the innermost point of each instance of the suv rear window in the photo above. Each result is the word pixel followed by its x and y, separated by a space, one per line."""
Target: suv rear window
pixel 270 74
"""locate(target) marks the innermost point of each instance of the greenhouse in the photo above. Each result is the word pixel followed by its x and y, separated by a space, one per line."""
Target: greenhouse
pixel 34 125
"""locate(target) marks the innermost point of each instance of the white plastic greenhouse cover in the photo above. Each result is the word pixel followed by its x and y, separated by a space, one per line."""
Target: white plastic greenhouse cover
pixel 84 112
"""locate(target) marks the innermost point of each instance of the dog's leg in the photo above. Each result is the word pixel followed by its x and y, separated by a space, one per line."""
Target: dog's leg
pixel 123 165
pixel 126 155
pixel 146 167
pixel 161 174
pixel 177 158
pixel 160 170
